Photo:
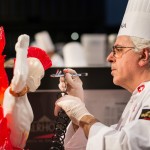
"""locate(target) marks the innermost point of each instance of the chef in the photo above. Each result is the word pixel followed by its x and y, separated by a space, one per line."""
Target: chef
pixel 130 68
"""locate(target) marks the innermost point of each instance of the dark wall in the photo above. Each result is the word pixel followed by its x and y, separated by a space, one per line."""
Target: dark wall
pixel 98 78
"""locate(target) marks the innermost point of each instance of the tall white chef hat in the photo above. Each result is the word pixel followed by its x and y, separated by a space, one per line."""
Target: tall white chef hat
pixel 44 41
pixel 74 55
pixel 136 21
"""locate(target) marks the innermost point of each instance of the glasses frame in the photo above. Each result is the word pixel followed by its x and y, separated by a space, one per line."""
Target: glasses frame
pixel 115 49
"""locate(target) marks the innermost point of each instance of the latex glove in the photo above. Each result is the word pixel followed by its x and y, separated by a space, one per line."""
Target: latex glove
pixel 73 84
pixel 73 106
pixel 21 67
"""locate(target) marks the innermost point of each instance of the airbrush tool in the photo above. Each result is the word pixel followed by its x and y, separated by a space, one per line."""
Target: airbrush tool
pixel 59 74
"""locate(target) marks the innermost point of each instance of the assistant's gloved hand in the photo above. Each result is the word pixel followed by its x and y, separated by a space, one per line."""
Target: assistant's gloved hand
pixel 73 106
pixel 21 67
pixel 73 84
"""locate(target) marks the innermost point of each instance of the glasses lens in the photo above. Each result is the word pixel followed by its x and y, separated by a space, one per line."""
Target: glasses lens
pixel 117 51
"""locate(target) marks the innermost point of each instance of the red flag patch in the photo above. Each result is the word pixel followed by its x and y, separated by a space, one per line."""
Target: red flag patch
pixel 141 88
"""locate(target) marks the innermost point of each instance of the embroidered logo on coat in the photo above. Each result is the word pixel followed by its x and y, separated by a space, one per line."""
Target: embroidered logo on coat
pixel 141 88
pixel 145 114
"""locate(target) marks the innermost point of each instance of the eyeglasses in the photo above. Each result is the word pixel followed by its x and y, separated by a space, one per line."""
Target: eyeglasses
pixel 118 51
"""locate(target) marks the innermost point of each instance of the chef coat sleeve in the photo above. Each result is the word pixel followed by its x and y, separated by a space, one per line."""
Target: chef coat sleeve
pixel 74 140
pixel 134 136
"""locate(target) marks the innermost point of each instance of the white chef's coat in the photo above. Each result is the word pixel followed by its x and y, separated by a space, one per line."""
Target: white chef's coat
pixel 131 133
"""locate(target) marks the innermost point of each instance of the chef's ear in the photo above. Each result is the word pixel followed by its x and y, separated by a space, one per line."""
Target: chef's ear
pixel 144 57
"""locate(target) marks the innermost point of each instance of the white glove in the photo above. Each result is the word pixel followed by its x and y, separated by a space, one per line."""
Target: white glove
pixel 73 106
pixel 21 67
pixel 73 84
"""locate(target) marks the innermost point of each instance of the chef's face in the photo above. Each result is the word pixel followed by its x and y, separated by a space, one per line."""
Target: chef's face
pixel 124 61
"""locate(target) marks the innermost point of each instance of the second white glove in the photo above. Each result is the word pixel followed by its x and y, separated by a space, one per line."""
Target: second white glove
pixel 72 85
pixel 73 106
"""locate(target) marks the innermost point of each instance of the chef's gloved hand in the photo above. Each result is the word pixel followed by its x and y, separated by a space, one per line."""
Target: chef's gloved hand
pixel 72 85
pixel 21 67
pixel 73 106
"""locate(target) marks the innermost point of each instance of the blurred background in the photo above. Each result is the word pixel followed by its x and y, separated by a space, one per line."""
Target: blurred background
pixel 64 20
pixel 77 34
